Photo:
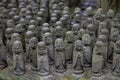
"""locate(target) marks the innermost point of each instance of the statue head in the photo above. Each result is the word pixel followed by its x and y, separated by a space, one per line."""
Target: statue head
pixel 28 36
pixel 59 44
pixel 99 46
pixel 81 32
pixel 9 32
pixel 19 28
pixel 103 25
pixel 114 36
pixel 102 38
pixel 32 28
pixel 41 48
pixel 10 23
pixel 17 47
pixel 77 10
pixel 69 36
pixel 33 42
pixel 89 11
pixel 105 32
pixel 90 29
pixel 47 38
pixel 15 36
pixel 110 13
pixel 58 31
pixel 32 22
pixel 75 28
pixel 86 39
pixel 78 45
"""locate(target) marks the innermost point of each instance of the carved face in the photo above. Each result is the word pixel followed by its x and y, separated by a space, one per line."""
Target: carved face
pixel 58 31
pixel 17 47
pixel 75 28
pixel 28 36
pixel 33 42
pixel 99 47
pixel 69 36
pixel 15 37
pixel 114 36
pixel 78 45
pixel 41 48
pixel 47 37
pixel 59 44
pixel 8 32
pixel 19 28
pixel 86 39
pixel 81 32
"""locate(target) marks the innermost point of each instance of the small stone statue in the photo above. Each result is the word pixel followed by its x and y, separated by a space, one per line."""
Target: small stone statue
pixel 34 29
pixel 60 64
pixel 78 57
pixel 87 50
pixel 47 38
pixel 75 29
pixel 104 39
pixel 69 40
pixel 81 32
pixel 33 52
pixel 8 34
pixel 116 59
pixel 98 59
pixel 42 59
pixel 3 56
pixel 113 39
pixel 28 36
pixel 18 58
pixel 58 32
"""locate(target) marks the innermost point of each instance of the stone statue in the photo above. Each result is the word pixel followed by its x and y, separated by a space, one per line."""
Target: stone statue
pixel 48 39
pixel 42 59
pixel 116 59
pixel 98 59
pixel 8 34
pixel 33 52
pixel 3 55
pixel 60 64
pixel 75 29
pixel 58 32
pixel 69 41
pixel 28 36
pixel 18 58
pixel 78 57
pixel 81 32
pixel 104 39
pixel 34 29
pixel 113 39
pixel 87 50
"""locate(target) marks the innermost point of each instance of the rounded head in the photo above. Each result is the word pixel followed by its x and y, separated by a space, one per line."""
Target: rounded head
pixel 86 39
pixel 29 34
pixel 59 23
pixel 46 25
pixel 90 27
pixel 78 45
pixel 69 36
pixel 89 11
pixel 32 22
pixel 104 31
pixel 33 42
pixel 15 36
pixel 99 44
pixel 9 31
pixel 53 19
pixel 41 44
pixel 102 38
pixel 77 10
pixel 110 13
pixel 19 28
pixel 31 27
